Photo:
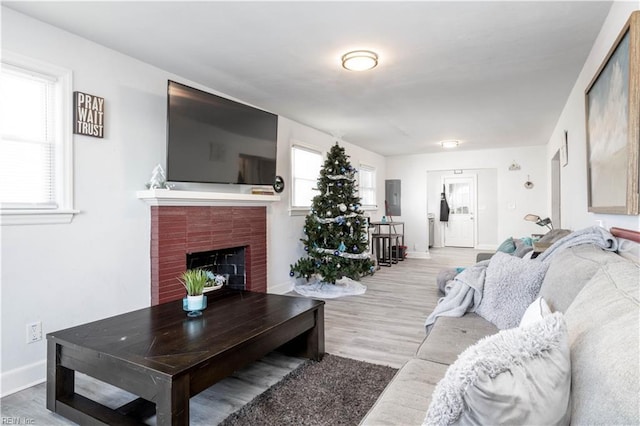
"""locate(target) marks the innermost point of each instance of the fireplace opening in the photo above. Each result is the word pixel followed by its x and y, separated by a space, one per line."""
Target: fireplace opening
pixel 229 262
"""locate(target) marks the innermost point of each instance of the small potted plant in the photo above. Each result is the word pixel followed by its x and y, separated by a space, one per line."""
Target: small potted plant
pixel 194 281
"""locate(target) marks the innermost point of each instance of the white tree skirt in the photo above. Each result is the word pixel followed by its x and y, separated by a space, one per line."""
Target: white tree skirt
pixel 323 290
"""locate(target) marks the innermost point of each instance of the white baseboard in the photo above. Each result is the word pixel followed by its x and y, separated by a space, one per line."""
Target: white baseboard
pixel 491 247
pixel 418 255
pixel 281 287
pixel 20 378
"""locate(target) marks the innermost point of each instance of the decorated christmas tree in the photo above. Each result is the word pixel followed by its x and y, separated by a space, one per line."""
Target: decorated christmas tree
pixel 336 238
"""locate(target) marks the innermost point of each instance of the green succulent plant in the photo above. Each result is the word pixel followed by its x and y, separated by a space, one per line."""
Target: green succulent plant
pixel 194 281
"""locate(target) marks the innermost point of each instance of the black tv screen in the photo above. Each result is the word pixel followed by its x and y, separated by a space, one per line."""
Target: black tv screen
pixel 211 139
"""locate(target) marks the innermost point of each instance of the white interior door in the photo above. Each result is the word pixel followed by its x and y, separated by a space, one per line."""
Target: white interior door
pixel 460 191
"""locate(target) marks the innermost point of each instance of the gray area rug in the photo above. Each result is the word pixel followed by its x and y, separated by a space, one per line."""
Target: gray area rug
pixel 334 391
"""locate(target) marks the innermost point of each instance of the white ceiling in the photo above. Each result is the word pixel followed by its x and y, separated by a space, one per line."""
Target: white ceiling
pixel 491 74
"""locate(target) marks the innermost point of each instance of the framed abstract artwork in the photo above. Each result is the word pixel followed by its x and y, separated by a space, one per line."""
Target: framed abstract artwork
pixel 612 102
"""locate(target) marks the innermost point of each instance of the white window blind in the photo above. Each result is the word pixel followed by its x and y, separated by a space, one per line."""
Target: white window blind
pixel 367 179
pixel 36 158
pixel 27 150
pixel 306 164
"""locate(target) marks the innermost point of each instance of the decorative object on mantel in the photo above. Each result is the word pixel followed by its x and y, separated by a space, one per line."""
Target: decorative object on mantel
pixel 194 281
pixel 261 191
pixel 528 184
pixel 278 184
pixel 88 115
pixel 514 166
pixel 613 138
pixel 158 179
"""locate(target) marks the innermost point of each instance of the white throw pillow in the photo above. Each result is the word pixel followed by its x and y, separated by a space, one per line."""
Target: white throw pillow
pixel 535 312
pixel 517 376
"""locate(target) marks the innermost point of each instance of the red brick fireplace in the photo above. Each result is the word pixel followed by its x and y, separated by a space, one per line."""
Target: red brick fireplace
pixel 178 230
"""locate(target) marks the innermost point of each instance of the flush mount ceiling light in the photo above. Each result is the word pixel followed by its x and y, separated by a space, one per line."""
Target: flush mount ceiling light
pixel 359 60
pixel 450 144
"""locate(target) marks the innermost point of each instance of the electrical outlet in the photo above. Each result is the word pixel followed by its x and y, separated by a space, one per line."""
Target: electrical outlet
pixel 34 332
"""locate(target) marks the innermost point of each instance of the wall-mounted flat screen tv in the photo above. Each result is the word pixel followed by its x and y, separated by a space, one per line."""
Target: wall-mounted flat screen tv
pixel 211 139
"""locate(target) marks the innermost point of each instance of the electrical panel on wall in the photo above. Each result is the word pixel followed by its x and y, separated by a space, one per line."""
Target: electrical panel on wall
pixel 392 197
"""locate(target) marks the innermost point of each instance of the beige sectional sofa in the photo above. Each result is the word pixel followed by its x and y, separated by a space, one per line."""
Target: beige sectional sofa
pixel 598 291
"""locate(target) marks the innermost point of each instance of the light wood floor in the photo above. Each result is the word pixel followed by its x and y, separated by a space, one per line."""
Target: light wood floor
pixel 383 326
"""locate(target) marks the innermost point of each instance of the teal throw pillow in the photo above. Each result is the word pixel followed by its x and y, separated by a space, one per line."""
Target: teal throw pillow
pixel 507 246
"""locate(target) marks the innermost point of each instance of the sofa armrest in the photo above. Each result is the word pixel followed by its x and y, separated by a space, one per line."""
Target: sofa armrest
pixel 483 256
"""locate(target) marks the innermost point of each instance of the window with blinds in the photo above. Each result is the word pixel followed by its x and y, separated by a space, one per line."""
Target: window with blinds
pixel 27 150
pixel 367 180
pixel 35 149
pixel 306 164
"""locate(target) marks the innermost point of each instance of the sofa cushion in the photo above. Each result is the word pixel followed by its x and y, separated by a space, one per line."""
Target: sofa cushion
pixel 450 336
pixel 518 376
pixel 406 399
pixel 569 270
pixel 603 329
pixel 511 284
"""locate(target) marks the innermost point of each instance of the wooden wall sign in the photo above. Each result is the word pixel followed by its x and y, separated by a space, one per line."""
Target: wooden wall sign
pixel 88 115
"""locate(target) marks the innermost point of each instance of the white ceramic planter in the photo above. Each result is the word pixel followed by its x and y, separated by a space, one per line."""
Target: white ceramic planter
pixel 195 303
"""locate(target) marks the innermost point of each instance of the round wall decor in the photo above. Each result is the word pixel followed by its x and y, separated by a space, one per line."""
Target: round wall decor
pixel 278 184
pixel 528 184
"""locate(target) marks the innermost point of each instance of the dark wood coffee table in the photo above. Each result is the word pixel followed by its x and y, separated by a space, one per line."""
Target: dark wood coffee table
pixel 164 357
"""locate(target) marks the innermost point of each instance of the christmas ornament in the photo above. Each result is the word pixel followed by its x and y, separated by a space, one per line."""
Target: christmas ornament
pixel 342 247
pixel 342 207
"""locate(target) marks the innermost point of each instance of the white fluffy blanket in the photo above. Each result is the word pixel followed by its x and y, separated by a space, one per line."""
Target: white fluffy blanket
pixel 463 294
pixel 592 235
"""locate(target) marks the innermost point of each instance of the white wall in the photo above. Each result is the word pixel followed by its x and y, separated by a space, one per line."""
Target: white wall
pixel 98 265
pixel 513 200
pixel 574 176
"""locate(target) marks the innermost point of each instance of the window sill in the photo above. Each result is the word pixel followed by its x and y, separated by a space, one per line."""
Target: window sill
pixel 299 211
pixel 303 211
pixel 36 217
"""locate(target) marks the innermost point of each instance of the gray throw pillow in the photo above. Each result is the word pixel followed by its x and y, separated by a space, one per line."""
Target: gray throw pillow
pixel 521 248
pixel 510 285
pixel 518 376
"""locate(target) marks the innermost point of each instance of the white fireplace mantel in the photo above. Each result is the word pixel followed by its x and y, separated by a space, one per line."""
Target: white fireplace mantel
pixel 166 197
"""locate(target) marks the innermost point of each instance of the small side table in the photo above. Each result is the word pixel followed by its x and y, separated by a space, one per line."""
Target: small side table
pixel 387 242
